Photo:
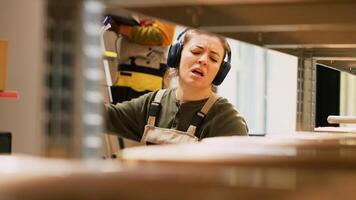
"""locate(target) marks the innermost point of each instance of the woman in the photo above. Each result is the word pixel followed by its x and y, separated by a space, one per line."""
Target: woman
pixel 189 112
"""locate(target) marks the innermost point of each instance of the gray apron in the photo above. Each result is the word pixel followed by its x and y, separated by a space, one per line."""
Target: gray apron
pixel 157 135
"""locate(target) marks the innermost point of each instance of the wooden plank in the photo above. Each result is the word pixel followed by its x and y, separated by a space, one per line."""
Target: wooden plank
pixel 233 13
pixel 288 149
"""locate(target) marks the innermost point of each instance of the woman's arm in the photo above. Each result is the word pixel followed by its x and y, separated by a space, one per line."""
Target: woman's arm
pixel 128 119
pixel 155 34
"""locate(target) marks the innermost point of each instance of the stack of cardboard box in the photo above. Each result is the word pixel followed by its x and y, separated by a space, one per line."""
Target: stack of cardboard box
pixel 3 72
pixel 3 63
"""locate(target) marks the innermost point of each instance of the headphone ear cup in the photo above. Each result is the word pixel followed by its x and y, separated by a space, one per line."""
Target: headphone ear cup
pixel 174 55
pixel 222 73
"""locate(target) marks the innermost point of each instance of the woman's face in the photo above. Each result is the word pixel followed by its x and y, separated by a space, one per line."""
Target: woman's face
pixel 200 61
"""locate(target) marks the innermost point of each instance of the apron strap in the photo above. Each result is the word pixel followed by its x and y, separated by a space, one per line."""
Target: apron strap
pixel 155 107
pixel 200 116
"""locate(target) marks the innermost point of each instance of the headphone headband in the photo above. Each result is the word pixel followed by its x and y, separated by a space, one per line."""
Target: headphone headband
pixel 182 33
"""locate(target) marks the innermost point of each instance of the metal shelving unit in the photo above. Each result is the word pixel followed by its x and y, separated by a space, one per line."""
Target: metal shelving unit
pixel 318 32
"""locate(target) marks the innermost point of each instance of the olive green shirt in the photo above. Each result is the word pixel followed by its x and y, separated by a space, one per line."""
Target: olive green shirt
pixel 128 119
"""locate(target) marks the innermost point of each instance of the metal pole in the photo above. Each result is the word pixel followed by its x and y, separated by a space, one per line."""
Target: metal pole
pixel 92 98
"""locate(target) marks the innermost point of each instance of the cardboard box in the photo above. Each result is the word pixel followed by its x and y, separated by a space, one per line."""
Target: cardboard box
pixel 3 63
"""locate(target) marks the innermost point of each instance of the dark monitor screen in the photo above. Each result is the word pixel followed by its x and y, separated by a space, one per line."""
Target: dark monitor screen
pixel 5 142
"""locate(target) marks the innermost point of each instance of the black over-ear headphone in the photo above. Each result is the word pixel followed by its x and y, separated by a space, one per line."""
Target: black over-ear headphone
pixel 174 55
